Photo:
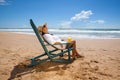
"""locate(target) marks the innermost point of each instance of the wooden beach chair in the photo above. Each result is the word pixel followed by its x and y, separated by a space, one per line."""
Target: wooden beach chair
pixel 51 56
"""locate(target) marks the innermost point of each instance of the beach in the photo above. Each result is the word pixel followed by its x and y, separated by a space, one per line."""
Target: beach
pixel 101 60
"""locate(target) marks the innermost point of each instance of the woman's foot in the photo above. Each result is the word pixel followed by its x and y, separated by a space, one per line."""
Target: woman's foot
pixel 73 58
pixel 79 56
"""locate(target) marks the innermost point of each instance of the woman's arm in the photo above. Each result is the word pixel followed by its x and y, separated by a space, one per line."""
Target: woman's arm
pixel 57 43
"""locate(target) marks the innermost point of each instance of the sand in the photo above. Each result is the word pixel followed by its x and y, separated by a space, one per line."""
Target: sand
pixel 101 60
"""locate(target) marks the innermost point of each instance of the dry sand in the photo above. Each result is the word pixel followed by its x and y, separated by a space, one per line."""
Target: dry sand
pixel 101 60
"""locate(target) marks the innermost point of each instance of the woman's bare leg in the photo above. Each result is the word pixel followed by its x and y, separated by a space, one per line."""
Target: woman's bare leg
pixel 74 52
pixel 74 49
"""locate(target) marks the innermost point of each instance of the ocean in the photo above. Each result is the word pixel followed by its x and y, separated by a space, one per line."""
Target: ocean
pixel 74 33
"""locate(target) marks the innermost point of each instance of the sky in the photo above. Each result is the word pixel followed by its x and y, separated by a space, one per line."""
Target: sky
pixel 95 14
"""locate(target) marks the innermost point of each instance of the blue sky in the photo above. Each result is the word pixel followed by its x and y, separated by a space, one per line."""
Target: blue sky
pixel 60 13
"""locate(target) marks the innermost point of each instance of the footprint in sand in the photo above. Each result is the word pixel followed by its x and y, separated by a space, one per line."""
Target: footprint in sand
pixel 60 72
pixel 94 61
pixel 7 51
pixel 93 78
pixel 104 74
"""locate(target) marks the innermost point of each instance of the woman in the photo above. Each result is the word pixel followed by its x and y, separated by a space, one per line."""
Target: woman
pixel 52 39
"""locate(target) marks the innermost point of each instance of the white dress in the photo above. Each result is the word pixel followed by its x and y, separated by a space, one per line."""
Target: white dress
pixel 52 39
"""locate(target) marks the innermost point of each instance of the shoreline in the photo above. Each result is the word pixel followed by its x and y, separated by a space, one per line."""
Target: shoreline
pixel 26 33
pixel 101 59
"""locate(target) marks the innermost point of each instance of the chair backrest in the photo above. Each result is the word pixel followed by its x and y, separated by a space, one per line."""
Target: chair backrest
pixel 38 36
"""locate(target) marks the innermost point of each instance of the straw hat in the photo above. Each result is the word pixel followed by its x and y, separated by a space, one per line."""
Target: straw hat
pixel 40 27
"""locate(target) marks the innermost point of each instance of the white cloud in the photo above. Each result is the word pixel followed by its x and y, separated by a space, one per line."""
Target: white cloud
pixel 82 15
pixel 3 2
pixel 66 24
pixel 98 21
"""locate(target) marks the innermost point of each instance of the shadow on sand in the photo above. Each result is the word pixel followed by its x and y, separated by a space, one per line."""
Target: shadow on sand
pixel 20 70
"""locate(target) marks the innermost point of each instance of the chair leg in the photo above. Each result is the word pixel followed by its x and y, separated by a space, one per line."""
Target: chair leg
pixel 61 54
pixel 69 56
